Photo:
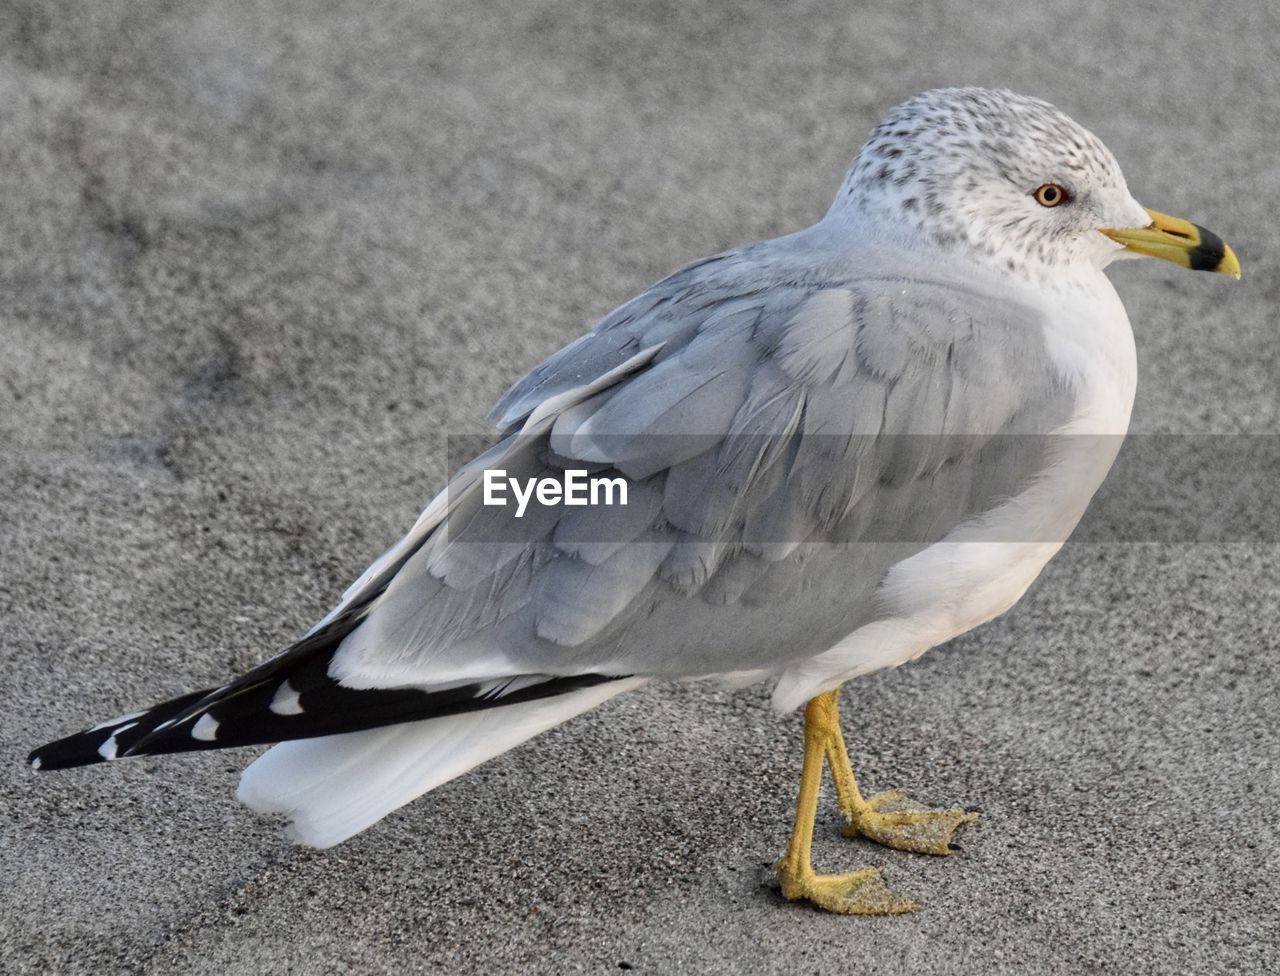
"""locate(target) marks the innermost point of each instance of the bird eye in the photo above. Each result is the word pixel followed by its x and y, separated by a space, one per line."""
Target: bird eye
pixel 1051 195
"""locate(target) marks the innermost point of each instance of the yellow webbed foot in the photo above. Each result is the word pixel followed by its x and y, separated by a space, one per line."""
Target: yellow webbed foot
pixel 896 821
pixel 860 892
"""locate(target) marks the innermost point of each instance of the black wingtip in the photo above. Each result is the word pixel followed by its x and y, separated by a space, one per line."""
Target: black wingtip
pixel 324 707
pixel 80 749
pixel 109 740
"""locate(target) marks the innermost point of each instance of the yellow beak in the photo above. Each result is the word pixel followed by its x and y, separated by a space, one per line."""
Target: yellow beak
pixel 1179 241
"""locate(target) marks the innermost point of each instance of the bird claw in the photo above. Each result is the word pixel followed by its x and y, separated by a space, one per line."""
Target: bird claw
pixel 894 820
pixel 861 892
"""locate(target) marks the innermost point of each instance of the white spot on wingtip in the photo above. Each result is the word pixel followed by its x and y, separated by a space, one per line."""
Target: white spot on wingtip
pixel 35 763
pixel 109 749
pixel 206 730
pixel 286 701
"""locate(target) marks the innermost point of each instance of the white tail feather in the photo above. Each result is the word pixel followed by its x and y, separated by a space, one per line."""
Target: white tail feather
pixel 334 787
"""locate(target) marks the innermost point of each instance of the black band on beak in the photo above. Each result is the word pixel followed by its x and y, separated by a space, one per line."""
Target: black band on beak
pixel 1208 254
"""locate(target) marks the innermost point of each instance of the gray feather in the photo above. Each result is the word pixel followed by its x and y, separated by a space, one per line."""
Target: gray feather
pixel 577 600
pixel 792 417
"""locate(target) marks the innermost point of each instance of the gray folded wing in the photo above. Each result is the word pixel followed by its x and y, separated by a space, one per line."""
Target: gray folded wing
pixel 786 435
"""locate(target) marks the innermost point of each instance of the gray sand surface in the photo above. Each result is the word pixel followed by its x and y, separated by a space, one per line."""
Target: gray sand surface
pixel 258 259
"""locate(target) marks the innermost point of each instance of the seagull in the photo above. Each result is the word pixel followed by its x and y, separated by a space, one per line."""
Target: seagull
pixel 838 449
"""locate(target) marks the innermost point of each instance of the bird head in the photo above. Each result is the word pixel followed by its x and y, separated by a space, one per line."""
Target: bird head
pixel 1012 182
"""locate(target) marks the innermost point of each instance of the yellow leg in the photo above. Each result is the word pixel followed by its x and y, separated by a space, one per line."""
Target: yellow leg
pixel 888 818
pixel 857 893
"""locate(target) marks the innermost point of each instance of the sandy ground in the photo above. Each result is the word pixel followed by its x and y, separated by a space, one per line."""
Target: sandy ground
pixel 259 258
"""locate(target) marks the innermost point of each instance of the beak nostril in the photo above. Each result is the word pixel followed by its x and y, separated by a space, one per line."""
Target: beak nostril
pixel 1170 231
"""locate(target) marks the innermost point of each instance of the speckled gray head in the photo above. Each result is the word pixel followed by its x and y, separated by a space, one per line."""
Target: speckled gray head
pixel 1007 178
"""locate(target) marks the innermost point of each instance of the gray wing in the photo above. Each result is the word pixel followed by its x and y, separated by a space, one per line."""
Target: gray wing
pixel 786 436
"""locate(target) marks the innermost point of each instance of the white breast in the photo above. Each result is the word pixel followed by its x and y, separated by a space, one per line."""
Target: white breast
pixel 984 566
